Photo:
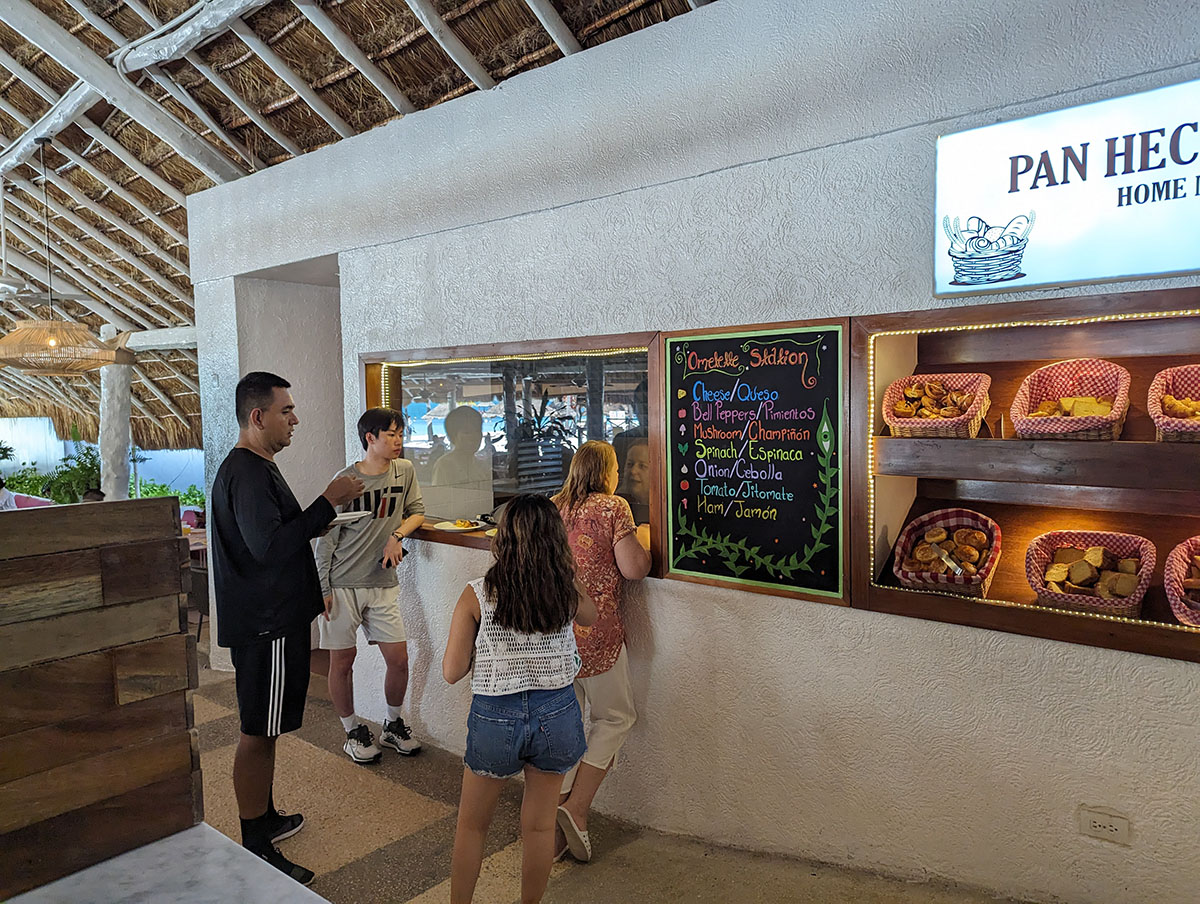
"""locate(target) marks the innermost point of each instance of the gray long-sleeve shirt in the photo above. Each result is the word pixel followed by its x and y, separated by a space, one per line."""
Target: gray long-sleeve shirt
pixel 349 555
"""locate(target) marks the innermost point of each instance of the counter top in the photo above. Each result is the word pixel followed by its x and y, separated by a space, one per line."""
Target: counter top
pixel 196 866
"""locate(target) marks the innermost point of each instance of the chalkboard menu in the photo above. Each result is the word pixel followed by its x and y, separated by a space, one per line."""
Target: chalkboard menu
pixel 754 476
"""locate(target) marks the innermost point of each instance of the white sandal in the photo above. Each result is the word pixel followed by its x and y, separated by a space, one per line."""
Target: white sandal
pixel 578 842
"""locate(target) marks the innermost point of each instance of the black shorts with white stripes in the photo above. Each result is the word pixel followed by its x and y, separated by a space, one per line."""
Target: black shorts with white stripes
pixel 272 682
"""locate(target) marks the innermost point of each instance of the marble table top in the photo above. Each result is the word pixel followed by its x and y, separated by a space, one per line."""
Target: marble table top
pixel 196 866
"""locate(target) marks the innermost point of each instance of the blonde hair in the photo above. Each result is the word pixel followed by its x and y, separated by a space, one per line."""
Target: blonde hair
pixel 589 472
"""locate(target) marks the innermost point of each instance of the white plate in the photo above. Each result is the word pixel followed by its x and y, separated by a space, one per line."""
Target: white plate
pixel 451 526
pixel 347 517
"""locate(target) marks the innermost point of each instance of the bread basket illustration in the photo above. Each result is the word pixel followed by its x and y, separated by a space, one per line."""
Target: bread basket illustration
pixel 984 254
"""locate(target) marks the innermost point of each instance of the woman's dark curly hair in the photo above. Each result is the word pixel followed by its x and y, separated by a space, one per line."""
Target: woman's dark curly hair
pixel 532 583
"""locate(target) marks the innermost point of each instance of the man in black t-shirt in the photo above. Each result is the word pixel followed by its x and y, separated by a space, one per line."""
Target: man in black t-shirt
pixel 267 593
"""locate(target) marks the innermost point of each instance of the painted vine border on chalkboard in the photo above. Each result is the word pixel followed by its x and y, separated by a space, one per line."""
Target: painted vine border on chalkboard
pixel 689 540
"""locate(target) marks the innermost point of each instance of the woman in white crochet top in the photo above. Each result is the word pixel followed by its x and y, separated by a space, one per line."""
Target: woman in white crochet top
pixel 517 621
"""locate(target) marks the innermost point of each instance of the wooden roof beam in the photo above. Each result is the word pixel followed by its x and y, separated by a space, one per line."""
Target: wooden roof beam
pixel 242 104
pixel 183 34
pixel 354 55
pixel 555 26
pixel 428 16
pixel 98 207
pixel 74 268
pixel 126 319
pixel 108 142
pixel 91 232
pixel 42 31
pixel 250 38
pixel 175 337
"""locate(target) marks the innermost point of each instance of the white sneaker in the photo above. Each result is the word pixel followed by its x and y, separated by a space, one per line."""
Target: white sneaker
pixel 360 745
pixel 398 736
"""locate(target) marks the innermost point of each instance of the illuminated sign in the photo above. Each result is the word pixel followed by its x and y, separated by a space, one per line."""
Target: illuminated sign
pixel 1105 191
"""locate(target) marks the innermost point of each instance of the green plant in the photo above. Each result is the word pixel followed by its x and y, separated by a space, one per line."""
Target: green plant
pixel 193 495
pixel 27 480
pixel 78 472
pixel 6 451
pixel 555 424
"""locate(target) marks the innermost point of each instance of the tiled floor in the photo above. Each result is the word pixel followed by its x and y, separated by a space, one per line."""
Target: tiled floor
pixel 385 832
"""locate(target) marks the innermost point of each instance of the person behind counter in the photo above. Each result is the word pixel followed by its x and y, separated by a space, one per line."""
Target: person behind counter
pixel 357 565
pixel 524 715
pixel 634 487
pixel 268 593
pixel 608 550
pixel 459 467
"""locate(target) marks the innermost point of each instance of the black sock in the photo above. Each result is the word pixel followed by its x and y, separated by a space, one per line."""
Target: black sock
pixel 256 832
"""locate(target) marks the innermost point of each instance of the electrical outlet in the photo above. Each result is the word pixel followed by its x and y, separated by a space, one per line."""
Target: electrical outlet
pixel 1105 825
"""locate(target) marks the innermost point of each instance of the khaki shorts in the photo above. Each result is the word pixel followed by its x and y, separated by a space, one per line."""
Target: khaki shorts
pixel 377 609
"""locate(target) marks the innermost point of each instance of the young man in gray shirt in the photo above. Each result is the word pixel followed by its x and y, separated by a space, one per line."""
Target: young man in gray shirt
pixel 357 563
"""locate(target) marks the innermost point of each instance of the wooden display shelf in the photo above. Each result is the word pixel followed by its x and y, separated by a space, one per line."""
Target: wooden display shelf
pixel 1131 485
pixel 1119 463
pixel 1019 525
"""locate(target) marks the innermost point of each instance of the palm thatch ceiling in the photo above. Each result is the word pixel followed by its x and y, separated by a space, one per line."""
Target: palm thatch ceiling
pixel 263 83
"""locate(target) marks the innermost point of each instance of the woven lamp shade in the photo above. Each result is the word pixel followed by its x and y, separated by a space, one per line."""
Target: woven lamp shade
pixel 56 348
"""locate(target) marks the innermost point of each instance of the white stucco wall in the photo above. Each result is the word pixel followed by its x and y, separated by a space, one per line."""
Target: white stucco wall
pixel 290 329
pixel 758 161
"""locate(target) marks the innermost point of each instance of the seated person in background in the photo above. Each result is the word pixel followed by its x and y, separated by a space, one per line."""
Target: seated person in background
pixel 459 466
pixel 634 487
pixel 8 502
pixel 93 494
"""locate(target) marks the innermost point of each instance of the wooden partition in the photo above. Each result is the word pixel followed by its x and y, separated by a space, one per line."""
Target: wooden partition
pixel 97 750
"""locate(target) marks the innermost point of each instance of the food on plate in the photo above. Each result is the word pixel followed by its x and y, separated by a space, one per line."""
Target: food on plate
pixel 463 522
pixel 1094 571
pixel 1074 406
pixel 967 549
pixel 1185 409
pixel 932 400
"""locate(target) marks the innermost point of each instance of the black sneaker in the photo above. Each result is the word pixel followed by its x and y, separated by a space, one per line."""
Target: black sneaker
pixel 275 857
pixel 284 825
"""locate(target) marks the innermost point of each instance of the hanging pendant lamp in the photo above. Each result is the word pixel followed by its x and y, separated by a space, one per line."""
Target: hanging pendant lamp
pixel 55 348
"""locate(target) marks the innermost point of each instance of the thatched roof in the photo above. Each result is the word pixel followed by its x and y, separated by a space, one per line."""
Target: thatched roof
pixel 285 79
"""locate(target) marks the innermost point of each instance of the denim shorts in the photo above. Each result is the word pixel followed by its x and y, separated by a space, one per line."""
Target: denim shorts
pixel 542 729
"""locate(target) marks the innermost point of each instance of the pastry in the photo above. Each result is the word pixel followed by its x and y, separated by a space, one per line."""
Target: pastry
pixel 914 392
pixel 949 411
pixel 966 554
pixel 1094 571
pixel 935 535
pixel 934 389
pixel 948 545
pixel 1073 406
pixel 905 409
pixel 924 553
pixel 1184 409
pixel 1191 581
pixel 968 569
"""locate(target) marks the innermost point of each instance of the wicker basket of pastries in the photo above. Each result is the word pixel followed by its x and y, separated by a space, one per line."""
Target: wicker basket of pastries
pixel 947 406
pixel 1084 399
pixel 1174 404
pixel 1181 580
pixel 951 550
pixel 1091 571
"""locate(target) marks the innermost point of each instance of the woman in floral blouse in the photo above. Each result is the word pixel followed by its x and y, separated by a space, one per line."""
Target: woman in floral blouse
pixel 608 550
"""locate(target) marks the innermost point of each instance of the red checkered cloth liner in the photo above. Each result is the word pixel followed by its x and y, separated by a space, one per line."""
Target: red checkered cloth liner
pixel 1077 377
pixel 1123 546
pixel 950 519
pixel 1175 569
pixel 965 426
pixel 1183 383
